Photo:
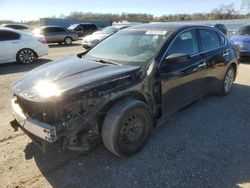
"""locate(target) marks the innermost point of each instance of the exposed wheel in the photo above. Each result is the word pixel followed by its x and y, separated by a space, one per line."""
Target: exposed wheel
pixel 68 40
pixel 127 127
pixel 227 82
pixel 26 56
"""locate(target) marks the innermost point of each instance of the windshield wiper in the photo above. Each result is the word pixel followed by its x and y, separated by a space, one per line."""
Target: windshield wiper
pixel 105 61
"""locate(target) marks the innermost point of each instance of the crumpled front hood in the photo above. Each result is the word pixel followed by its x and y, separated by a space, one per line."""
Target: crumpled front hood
pixel 241 39
pixel 69 74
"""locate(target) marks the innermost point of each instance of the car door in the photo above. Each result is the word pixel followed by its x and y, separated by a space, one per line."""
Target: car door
pixel 182 81
pixel 79 30
pixel 48 34
pixel 215 51
pixel 60 34
pixel 9 45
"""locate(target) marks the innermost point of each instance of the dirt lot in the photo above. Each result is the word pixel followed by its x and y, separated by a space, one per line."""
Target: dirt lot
pixel 204 145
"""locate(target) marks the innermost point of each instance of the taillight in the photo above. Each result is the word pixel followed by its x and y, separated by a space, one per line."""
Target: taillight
pixel 43 41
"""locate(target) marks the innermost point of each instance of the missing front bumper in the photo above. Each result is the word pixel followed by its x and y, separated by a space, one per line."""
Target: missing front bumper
pixel 32 126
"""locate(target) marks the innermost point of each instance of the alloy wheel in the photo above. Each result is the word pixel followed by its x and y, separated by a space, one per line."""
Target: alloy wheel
pixel 229 79
pixel 27 56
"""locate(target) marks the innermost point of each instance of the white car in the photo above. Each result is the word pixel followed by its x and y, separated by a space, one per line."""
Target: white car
pixel 96 37
pixel 21 27
pixel 20 46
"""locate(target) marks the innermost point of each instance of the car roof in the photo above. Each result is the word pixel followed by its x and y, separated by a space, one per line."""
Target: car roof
pixel 86 23
pixel 83 24
pixel 12 30
pixel 120 26
pixel 14 24
pixel 166 26
pixel 246 25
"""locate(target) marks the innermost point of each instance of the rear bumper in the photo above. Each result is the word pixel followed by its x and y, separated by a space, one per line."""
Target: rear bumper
pixel 42 50
pixel 37 128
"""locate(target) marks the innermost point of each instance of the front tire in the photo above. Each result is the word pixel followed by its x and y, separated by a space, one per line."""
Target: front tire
pixel 127 127
pixel 227 83
pixel 68 40
pixel 26 56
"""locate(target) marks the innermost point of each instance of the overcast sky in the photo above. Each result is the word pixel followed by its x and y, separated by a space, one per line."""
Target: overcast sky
pixel 33 10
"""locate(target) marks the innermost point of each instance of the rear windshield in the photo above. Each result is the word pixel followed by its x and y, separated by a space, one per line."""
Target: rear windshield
pixel 109 30
pixel 73 26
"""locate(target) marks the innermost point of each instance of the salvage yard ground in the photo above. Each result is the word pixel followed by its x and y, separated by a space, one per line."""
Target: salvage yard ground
pixel 204 145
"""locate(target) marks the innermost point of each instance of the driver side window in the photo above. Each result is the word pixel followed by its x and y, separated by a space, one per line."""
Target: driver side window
pixel 185 43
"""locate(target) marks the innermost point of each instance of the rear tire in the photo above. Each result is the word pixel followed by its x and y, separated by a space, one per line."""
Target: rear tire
pixel 68 40
pixel 127 127
pixel 227 83
pixel 26 56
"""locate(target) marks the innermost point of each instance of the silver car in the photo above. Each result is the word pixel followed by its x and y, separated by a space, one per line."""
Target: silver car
pixel 57 34
pixel 98 36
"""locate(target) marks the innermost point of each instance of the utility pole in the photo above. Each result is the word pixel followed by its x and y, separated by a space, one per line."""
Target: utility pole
pixel 245 6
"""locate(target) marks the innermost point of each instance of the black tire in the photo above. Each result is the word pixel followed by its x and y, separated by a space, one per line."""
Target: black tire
pixel 26 56
pixel 127 127
pixel 227 83
pixel 68 40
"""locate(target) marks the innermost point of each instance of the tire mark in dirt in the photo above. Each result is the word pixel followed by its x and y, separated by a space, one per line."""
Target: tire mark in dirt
pixel 11 137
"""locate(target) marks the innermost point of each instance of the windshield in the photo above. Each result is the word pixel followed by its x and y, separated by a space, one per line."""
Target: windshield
pixel 245 30
pixel 72 26
pixel 109 30
pixel 132 47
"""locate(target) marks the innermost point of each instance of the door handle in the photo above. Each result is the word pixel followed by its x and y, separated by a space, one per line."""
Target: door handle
pixel 202 65
pixel 14 42
pixel 225 54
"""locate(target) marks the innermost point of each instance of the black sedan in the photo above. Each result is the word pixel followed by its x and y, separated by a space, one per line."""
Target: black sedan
pixel 117 89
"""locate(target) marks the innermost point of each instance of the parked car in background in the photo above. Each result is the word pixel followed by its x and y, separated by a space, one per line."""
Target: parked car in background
pixel 21 27
pixel 221 27
pixel 91 40
pixel 20 46
pixel 117 90
pixel 57 34
pixel 242 39
pixel 83 29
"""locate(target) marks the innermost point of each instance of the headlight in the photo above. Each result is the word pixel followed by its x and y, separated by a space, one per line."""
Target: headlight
pixel 47 89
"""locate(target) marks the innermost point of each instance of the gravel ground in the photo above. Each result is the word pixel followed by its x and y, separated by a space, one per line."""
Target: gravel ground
pixel 204 145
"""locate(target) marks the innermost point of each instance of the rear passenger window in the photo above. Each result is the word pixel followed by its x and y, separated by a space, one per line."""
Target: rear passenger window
pixel 58 29
pixel 209 40
pixel 185 43
pixel 222 40
pixel 8 35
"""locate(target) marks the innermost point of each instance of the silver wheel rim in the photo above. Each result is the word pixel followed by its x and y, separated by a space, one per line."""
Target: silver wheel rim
pixel 26 56
pixel 68 41
pixel 229 79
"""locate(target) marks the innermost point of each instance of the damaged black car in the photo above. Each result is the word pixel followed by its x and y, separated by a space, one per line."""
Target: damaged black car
pixel 116 91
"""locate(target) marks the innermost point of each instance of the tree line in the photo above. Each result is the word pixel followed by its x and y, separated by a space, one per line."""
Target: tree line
pixel 223 12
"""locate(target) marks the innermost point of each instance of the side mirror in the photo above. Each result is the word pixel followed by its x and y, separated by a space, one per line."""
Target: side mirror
pixel 178 57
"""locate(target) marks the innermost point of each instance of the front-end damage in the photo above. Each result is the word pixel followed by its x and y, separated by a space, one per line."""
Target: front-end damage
pixel 77 117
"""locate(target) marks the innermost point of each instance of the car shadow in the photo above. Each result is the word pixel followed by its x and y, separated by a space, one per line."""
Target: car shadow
pixel 10 68
pixel 245 60
pixel 56 45
pixel 204 145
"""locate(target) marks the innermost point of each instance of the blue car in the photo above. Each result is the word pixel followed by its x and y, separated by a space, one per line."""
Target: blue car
pixel 242 39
